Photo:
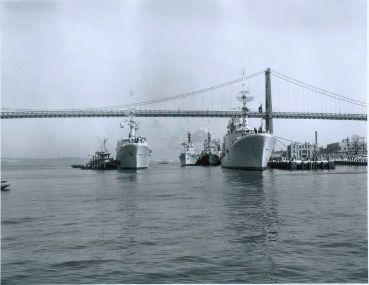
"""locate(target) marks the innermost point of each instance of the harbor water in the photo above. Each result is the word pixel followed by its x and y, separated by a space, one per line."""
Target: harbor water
pixel 172 224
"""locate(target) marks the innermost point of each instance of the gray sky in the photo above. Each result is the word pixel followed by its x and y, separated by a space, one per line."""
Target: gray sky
pixel 80 54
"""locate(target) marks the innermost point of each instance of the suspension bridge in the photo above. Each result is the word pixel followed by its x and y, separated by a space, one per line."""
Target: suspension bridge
pixel 292 99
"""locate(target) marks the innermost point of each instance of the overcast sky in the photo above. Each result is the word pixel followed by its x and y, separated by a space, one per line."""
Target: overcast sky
pixel 81 54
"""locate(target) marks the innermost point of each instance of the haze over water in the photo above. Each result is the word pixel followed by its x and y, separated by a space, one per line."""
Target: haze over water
pixel 170 224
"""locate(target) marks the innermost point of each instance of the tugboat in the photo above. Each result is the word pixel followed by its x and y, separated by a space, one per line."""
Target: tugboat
pixel 243 147
pixel 188 156
pixel 210 155
pixel 100 160
pixel 134 152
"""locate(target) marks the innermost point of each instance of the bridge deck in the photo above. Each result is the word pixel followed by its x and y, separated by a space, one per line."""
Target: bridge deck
pixel 5 114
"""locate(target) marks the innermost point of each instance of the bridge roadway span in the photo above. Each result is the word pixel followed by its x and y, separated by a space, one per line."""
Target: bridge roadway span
pixel 6 114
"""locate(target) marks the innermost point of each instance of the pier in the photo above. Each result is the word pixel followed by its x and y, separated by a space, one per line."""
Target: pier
pixel 302 165
pixel 361 162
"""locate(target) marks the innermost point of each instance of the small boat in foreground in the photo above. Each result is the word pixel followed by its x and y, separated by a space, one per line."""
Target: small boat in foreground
pixel 76 165
pixel 4 185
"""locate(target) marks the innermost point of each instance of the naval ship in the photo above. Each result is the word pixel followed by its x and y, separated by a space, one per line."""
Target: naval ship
pixel 210 155
pixel 243 147
pixel 134 152
pixel 188 156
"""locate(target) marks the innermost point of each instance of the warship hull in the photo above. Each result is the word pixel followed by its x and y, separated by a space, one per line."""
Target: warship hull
pixel 188 159
pixel 208 160
pixel 133 156
pixel 250 152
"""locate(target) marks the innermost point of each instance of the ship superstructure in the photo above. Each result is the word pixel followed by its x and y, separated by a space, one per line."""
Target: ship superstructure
pixel 210 154
pixel 188 155
pixel 133 152
pixel 244 147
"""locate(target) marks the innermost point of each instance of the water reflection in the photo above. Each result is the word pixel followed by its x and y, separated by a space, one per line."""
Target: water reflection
pixel 243 188
pixel 128 175
pixel 244 178
pixel 251 210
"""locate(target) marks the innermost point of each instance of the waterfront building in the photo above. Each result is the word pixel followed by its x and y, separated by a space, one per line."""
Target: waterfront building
pixel 357 146
pixel 332 148
pixel 354 146
pixel 301 151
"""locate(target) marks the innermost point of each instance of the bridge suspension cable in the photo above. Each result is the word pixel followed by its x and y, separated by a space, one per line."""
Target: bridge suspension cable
pixel 188 94
pixel 286 140
pixel 317 89
pixel 159 100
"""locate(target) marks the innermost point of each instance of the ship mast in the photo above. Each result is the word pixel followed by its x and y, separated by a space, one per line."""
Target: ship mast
pixel 244 99
pixel 132 125
pixel 131 122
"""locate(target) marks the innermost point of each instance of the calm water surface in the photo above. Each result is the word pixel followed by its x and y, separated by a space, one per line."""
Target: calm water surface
pixel 171 224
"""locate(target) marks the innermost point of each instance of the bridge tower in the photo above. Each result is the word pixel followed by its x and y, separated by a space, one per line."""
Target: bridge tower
pixel 268 102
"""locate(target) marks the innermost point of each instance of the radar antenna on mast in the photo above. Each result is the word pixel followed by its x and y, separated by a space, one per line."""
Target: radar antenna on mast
pixel 243 93
pixel 244 99
pixel 131 109
pixel 133 125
